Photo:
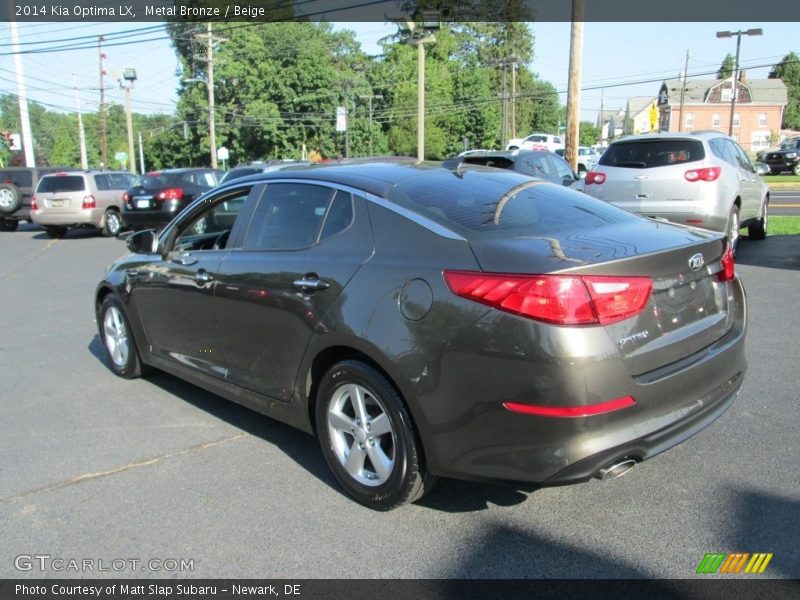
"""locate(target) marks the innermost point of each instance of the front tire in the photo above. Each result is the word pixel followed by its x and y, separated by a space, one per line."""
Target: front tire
pixel 117 338
pixel 758 230
pixel 368 437
pixel 796 169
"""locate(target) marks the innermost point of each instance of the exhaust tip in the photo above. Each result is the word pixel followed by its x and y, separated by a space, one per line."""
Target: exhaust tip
pixel 617 469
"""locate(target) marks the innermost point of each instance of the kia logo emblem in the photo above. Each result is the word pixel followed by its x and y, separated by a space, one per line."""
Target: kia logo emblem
pixel 696 261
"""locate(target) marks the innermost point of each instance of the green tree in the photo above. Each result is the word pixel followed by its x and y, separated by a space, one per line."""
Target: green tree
pixel 789 71
pixel 589 134
pixel 726 68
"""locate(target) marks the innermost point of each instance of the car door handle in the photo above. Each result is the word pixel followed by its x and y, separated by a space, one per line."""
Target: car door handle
pixel 311 285
pixel 185 259
pixel 203 277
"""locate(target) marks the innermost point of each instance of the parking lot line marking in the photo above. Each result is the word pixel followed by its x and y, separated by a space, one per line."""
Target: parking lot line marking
pixel 134 465
pixel 782 205
pixel 13 272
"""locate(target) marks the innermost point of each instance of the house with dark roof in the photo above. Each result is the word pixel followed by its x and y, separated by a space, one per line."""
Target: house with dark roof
pixel 757 115
pixel 611 124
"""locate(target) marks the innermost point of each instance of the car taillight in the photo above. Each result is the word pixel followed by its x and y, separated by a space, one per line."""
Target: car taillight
pixel 557 299
pixel 728 271
pixel 126 197
pixel 170 194
pixel 89 202
pixel 595 177
pixel 34 206
pixel 704 174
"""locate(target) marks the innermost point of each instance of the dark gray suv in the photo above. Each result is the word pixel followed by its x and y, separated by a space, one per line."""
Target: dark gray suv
pixel 16 192
pixel 425 321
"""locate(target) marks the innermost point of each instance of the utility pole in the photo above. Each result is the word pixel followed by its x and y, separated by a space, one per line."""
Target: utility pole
pixel 574 85
pixel 141 155
pixel 27 136
pixel 103 140
pixel 81 131
pixel 683 92
pixel 514 66
pixel 209 40
pixel 420 42
pixel 369 99
pixel 738 34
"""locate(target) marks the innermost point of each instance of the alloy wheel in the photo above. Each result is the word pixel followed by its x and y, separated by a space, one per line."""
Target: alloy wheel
pixel 116 336
pixel 362 435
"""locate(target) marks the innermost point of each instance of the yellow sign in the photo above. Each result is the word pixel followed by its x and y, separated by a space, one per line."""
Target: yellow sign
pixel 653 116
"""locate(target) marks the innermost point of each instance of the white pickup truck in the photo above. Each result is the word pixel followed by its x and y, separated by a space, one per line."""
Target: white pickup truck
pixel 536 141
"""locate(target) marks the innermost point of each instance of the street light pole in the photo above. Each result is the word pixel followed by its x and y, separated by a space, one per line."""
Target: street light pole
pixel 212 128
pixel 369 98
pixel 738 34
pixel 129 76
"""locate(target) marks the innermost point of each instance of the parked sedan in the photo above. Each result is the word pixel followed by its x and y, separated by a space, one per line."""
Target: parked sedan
pixel 155 198
pixel 536 163
pixel 425 321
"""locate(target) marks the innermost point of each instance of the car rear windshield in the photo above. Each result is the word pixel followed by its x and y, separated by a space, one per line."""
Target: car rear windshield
pixel 648 154
pixel 242 172
pixel 51 184
pixel 154 180
pixel 498 162
pixel 482 204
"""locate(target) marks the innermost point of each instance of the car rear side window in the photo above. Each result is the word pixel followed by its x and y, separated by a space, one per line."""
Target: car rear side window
pixel 103 182
pixel 648 154
pixel 18 178
pixel 120 181
pixel 475 205
pixel 61 183
pixel 288 217
pixel 340 215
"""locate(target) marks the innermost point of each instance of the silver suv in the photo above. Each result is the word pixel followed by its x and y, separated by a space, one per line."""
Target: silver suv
pixel 80 199
pixel 703 179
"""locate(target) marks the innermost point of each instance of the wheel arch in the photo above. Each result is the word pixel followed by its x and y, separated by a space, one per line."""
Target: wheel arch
pixel 328 356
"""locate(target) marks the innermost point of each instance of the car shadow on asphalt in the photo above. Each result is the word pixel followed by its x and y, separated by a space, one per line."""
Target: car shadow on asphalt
pixel 775 252
pixel 449 495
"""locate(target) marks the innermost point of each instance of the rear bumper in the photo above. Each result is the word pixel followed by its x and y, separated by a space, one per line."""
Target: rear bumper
pixel 474 437
pixel 147 219
pixel 84 216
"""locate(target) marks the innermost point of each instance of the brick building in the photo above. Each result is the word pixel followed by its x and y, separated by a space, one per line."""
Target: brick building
pixel 707 105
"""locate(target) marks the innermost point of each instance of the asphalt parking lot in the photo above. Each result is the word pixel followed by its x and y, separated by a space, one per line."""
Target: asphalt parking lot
pixel 92 466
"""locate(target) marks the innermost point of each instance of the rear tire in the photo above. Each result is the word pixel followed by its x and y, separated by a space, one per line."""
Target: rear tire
pixel 758 230
pixel 117 338
pixel 368 437
pixel 112 223
pixel 8 224
pixel 733 228
pixel 54 232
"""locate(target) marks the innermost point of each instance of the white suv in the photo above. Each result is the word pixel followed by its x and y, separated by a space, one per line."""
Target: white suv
pixel 536 141
pixel 703 179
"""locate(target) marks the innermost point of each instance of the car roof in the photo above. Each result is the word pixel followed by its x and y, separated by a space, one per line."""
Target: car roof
pixel 377 178
pixel 672 135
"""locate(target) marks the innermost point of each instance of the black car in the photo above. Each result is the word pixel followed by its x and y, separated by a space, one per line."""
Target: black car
pixel 254 168
pixel 425 321
pixel 156 197
pixel 536 163
pixel 785 159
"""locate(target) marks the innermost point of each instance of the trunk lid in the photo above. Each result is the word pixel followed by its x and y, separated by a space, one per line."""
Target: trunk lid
pixel 688 309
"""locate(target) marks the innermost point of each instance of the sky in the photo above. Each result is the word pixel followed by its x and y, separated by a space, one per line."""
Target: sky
pixel 614 56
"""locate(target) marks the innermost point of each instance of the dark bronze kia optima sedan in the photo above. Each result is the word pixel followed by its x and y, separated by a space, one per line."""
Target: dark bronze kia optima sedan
pixel 425 321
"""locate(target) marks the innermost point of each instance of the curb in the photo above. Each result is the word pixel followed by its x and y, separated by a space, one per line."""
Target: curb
pixel 788 186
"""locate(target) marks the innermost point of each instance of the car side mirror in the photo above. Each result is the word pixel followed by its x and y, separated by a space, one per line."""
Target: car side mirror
pixel 761 168
pixel 143 242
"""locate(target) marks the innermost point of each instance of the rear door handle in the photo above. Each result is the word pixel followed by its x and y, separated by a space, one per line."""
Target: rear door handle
pixel 308 284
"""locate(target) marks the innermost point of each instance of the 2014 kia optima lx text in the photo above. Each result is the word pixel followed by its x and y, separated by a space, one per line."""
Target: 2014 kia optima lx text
pixel 423 322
